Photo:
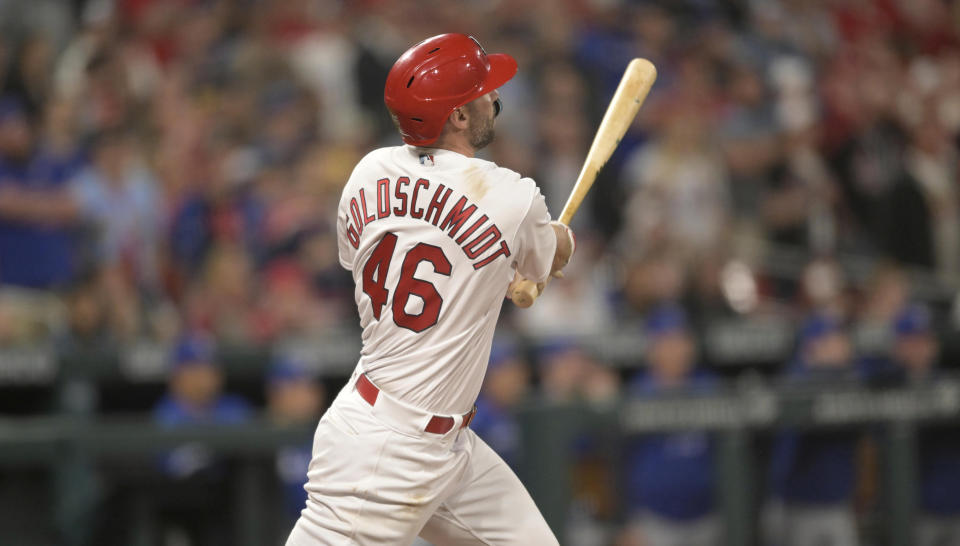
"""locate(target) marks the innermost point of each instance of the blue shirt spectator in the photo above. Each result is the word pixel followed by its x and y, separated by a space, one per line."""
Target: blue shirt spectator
pixel 814 468
pixel 671 474
pixel 817 468
pixel 913 361
pixel 939 454
pixel 292 464
pixel 195 398
pixel 504 386
pixel 226 409
pixel 498 427
pixel 34 252
pixel 293 396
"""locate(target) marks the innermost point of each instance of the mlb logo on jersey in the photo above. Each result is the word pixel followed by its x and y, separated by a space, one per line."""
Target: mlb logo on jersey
pixel 426 159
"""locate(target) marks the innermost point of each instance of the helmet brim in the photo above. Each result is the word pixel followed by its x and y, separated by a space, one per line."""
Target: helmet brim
pixel 503 67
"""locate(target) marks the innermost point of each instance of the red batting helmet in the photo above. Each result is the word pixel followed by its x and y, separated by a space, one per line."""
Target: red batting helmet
pixel 436 76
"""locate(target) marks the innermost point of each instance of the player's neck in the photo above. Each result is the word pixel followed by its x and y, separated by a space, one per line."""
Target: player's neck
pixel 451 142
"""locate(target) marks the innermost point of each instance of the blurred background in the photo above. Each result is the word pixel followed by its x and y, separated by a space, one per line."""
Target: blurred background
pixel 755 344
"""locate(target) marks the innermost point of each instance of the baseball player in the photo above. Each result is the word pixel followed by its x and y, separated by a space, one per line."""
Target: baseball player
pixel 433 237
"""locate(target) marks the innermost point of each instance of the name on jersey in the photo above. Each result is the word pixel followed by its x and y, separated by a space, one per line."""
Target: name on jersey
pixel 478 237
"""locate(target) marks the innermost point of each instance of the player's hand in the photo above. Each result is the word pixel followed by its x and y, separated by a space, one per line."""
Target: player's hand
pixel 566 246
pixel 516 279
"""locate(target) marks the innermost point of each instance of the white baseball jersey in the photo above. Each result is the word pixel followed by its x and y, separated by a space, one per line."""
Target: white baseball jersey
pixel 432 238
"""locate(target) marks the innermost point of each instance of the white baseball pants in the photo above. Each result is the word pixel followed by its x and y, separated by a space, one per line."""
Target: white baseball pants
pixel 377 478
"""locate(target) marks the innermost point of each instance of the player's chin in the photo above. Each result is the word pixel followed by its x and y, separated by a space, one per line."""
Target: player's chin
pixel 482 139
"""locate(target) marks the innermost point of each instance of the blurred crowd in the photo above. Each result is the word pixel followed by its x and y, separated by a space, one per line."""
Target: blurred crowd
pixel 174 166
pixel 817 486
pixel 170 170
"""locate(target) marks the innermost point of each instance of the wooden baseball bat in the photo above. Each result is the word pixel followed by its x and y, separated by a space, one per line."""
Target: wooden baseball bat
pixel 630 94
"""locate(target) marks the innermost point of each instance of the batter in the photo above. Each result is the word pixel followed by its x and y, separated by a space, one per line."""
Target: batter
pixel 433 237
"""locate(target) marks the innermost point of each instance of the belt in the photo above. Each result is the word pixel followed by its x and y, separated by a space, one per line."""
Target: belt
pixel 438 424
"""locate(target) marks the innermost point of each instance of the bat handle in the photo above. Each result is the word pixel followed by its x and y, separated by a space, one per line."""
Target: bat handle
pixel 524 293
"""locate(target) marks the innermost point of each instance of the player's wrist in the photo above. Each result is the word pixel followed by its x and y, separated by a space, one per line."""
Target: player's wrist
pixel 566 240
pixel 566 245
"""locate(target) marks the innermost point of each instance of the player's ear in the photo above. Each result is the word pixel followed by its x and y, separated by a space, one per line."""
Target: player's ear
pixel 459 118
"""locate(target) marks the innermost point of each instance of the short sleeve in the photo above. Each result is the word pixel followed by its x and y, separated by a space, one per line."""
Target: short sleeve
pixel 535 240
pixel 344 249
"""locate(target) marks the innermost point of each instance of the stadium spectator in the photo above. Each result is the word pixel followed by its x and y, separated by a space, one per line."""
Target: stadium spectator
pixel 290 306
pixel 913 363
pixel 921 217
pixel 865 139
pixel 194 397
pixel 332 285
pixel 504 387
pixel 886 293
pixel 812 472
pixel 670 476
pixel 799 206
pixel 223 298
pixel 198 513
pixel 30 73
pixel 36 249
pixel 118 194
pixel 222 209
pixel 563 132
pixel 916 348
pixel 561 366
pixel 823 288
pixel 568 372
pixel 657 278
pixel 88 323
pixel 748 137
pixel 680 198
pixel 294 397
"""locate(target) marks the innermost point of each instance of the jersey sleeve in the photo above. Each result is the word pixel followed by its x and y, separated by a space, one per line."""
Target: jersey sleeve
pixel 344 249
pixel 535 239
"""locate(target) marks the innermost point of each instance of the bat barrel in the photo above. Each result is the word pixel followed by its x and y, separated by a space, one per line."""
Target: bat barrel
pixel 627 99
pixel 630 94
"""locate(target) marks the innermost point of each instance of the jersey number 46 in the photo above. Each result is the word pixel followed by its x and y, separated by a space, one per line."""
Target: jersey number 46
pixel 375 280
